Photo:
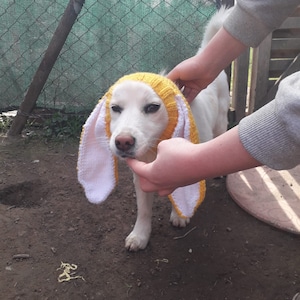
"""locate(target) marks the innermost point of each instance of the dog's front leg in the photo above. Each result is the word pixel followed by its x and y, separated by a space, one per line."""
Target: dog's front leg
pixel 140 235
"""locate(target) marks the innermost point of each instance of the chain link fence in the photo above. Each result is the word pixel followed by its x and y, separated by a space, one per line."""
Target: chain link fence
pixel 108 40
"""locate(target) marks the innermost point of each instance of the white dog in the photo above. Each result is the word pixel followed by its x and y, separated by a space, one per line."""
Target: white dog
pixel 138 117
pixel 136 113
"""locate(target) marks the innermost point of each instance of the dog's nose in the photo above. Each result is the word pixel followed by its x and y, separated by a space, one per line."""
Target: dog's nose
pixel 124 142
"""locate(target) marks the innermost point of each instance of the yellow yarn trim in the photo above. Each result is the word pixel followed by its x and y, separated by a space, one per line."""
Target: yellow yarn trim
pixel 202 192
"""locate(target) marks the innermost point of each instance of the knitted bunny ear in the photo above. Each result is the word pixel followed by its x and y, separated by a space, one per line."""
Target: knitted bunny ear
pixel 96 165
pixel 187 199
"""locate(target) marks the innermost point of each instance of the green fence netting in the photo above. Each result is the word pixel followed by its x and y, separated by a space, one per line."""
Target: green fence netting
pixel 109 39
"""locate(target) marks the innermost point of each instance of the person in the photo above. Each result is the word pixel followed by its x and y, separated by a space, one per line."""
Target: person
pixel 270 136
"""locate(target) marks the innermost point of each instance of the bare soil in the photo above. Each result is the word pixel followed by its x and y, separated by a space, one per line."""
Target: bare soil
pixel 45 220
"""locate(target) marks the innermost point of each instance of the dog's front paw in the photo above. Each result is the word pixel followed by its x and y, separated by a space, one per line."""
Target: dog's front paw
pixel 135 242
pixel 178 221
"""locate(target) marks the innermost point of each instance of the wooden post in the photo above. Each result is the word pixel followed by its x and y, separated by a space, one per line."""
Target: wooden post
pixel 59 37
pixel 240 85
pixel 260 73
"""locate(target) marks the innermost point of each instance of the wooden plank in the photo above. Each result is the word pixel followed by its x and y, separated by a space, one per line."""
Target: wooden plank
pixel 284 53
pixel 285 44
pixel 260 72
pixel 275 73
pixel 294 67
pixel 292 22
pixel 271 82
pixel 240 85
pixel 287 33
pixel 279 64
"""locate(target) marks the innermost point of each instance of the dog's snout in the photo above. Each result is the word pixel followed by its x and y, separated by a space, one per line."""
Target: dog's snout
pixel 124 142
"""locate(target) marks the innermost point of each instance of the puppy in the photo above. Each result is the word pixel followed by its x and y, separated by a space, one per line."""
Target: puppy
pixel 138 118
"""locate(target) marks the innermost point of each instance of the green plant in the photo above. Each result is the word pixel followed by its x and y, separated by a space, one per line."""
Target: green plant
pixel 5 123
pixel 62 125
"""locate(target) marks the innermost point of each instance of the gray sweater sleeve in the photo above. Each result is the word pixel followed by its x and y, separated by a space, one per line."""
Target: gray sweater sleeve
pixel 252 20
pixel 272 134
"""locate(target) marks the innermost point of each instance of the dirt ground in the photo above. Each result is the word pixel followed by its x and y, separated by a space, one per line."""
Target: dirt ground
pixel 45 220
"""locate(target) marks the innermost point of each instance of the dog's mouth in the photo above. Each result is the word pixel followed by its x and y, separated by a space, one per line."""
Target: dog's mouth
pixel 133 153
pixel 127 154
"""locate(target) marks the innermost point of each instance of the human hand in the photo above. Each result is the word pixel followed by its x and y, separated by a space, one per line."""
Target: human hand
pixel 191 76
pixel 197 72
pixel 170 170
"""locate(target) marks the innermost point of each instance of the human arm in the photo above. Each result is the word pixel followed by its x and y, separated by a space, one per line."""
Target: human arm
pixel 246 26
pixel 197 72
pixel 251 21
pixel 272 133
pixel 181 163
pixel 270 136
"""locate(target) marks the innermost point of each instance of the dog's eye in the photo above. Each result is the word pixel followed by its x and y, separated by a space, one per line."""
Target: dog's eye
pixel 151 108
pixel 116 108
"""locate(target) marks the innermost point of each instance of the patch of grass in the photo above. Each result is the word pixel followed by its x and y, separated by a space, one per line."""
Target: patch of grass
pixel 5 123
pixel 48 124
pixel 63 125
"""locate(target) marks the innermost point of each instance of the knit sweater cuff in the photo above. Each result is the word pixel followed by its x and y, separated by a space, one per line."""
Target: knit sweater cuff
pixel 272 134
pixel 251 21
pixel 245 31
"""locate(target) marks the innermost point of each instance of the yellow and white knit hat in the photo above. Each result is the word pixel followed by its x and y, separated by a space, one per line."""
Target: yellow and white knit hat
pixel 97 167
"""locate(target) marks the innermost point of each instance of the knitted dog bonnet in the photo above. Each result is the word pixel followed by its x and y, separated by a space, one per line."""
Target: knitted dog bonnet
pixel 97 167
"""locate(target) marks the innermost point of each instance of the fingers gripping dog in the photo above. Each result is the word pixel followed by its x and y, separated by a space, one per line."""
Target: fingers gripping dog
pixel 97 166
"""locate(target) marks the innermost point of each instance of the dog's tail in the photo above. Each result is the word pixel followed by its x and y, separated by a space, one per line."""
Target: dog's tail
pixel 214 24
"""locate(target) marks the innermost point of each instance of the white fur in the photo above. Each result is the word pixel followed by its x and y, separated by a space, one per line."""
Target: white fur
pixel 135 130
